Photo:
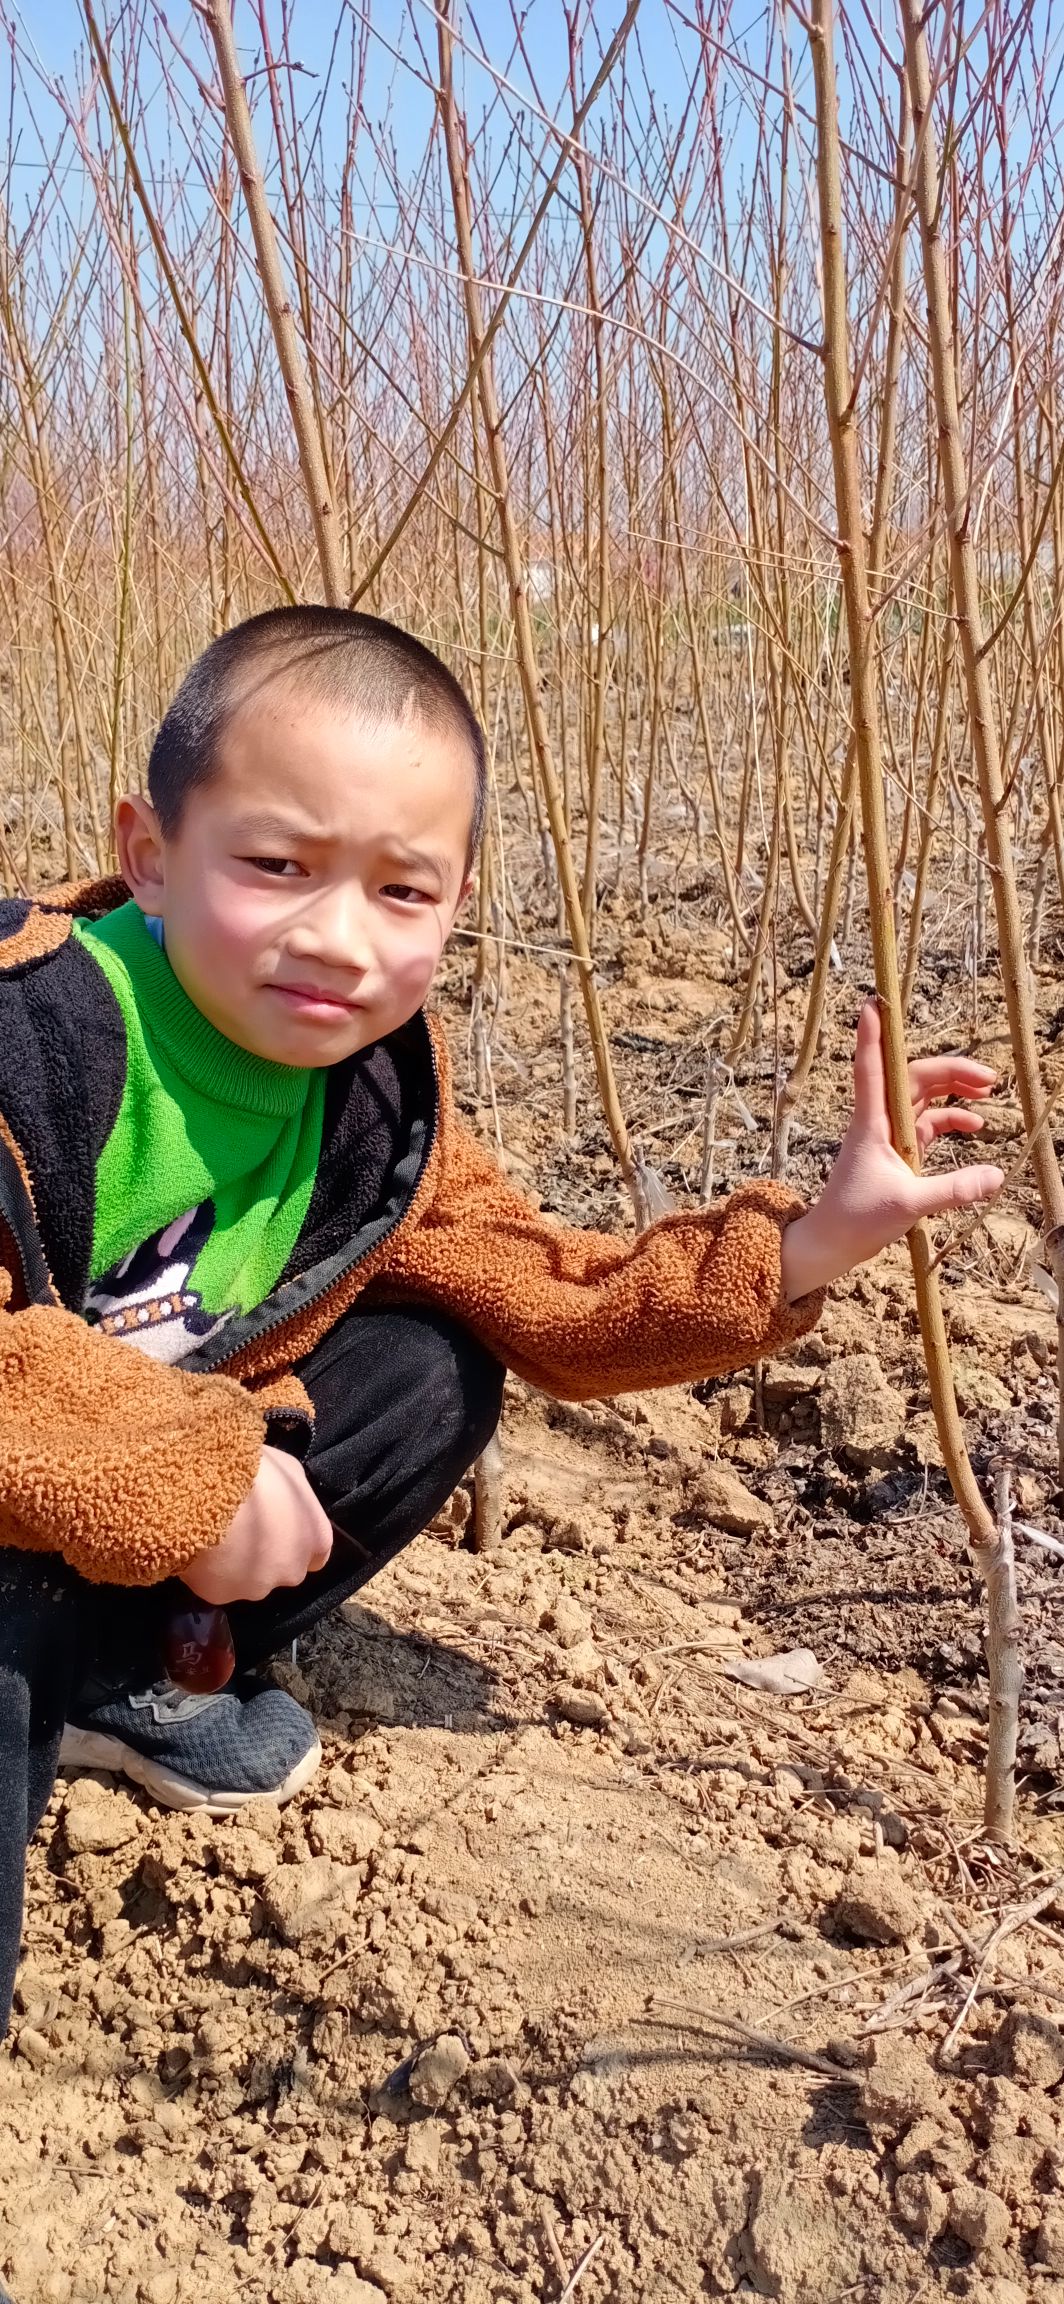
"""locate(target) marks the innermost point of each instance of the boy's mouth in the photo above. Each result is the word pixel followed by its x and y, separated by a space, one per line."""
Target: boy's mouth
pixel 315 1000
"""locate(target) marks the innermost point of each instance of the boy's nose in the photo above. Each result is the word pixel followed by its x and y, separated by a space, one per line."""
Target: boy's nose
pixel 336 930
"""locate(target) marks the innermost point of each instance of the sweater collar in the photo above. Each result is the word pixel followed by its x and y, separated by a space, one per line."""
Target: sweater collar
pixel 193 1047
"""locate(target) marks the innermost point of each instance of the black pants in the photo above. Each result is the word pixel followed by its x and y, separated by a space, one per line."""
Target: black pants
pixel 404 1401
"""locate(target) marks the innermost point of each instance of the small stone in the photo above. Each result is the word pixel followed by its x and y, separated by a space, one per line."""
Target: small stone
pixel 785 1381
pixel 96 1821
pixel 583 1706
pixel 877 1906
pixel 978 2218
pixel 438 2069
pixel 1049 2243
pixel 728 1503
pixel 1034 2048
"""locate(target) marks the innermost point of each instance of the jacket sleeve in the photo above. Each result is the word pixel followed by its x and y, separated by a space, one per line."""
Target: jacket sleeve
pixel 585 1314
pixel 124 1465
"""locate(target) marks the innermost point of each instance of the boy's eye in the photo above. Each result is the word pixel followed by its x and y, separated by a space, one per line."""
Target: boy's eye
pixel 279 867
pixel 404 895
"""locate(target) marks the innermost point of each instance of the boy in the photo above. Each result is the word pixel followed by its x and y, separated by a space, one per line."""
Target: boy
pixel 260 1282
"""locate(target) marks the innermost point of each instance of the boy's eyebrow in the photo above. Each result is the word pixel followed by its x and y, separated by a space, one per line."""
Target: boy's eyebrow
pixel 420 859
pixel 282 828
pixel 262 827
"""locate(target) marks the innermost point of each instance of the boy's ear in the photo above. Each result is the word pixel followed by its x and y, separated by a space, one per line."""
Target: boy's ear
pixel 139 840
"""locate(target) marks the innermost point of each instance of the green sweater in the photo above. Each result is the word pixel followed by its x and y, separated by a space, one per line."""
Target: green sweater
pixel 206 1176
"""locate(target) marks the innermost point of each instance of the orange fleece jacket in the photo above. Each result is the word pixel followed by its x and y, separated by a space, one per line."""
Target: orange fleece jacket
pixel 129 1467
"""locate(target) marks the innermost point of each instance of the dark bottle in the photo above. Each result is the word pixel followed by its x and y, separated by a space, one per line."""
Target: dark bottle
pixel 198 1648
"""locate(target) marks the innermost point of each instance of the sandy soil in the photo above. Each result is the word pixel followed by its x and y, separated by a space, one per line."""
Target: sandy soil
pixel 583 1968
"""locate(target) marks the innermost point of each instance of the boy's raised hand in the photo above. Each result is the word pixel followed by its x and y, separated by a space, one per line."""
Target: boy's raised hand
pixel 872 1196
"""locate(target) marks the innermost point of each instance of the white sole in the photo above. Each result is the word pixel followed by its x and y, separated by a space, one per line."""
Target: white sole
pixel 87 1748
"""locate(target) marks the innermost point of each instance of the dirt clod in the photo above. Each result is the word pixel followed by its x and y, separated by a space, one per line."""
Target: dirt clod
pixel 979 2218
pixel 877 1906
pixel 583 1706
pixel 306 1899
pixel 799 2248
pixel 1049 2241
pixel 492 2081
pixel 921 2203
pixel 348 1835
pixel 726 1501
pixel 567 1620
pixel 1034 2049
pixel 862 1416
pixel 898 2088
pixel 438 2069
pixel 98 1819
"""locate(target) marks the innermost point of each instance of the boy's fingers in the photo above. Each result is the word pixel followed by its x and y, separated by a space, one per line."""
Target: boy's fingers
pixel 953 1120
pixel 931 1076
pixel 935 1195
pixel 869 1088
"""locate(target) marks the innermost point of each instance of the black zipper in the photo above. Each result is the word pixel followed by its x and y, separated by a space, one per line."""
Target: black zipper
pixel 16 1207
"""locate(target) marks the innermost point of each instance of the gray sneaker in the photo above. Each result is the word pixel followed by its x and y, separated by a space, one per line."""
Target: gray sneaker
pixel 245 1742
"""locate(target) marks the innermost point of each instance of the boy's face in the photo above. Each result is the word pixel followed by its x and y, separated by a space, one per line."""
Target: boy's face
pixel 312 883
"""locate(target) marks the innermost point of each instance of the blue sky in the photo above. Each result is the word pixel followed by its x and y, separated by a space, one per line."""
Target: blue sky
pixel 662 58
pixel 667 51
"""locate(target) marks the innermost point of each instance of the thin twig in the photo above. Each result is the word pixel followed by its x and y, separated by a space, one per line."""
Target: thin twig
pixel 586 2259
pixel 766 2042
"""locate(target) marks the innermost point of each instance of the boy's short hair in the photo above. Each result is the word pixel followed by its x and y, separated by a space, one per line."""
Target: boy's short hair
pixel 339 657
